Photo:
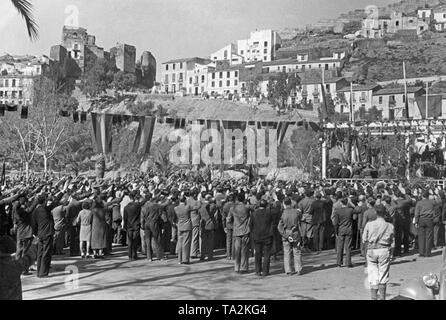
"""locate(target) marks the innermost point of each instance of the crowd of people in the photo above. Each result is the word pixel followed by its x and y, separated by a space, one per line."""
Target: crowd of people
pixel 189 217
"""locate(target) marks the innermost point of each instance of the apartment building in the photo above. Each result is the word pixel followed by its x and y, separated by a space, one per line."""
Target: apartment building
pixel 198 79
pixel 16 90
pixel 379 26
pixel 224 79
pixel 175 74
pixel 311 88
pixel 439 18
pixel 392 102
pixel 261 46
pixel 362 96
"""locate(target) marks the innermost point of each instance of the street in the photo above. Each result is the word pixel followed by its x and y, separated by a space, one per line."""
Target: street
pixel 117 278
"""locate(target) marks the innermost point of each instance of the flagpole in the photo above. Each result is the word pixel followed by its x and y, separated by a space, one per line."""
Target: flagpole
pixel 406 103
pixel 427 98
pixel 351 102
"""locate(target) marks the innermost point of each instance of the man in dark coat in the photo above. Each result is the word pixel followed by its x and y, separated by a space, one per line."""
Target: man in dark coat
pixel 318 221
pixel 401 222
pixel 11 269
pixel 132 225
pixel 342 221
pixel 152 224
pixel 24 231
pixel 43 229
pixel 262 234
pixel 72 211
pixel 207 226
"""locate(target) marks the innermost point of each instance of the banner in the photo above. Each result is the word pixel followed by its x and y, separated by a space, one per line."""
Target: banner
pixel 102 125
pixel 144 135
pixel 434 108
pixel 281 131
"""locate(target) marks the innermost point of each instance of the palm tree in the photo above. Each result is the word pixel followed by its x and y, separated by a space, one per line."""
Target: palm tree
pixel 25 8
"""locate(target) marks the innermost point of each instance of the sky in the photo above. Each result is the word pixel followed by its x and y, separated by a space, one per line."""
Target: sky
pixel 167 28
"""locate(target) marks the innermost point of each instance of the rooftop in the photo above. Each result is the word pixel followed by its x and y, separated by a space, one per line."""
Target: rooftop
pixel 185 60
pixel 397 90
pixel 362 87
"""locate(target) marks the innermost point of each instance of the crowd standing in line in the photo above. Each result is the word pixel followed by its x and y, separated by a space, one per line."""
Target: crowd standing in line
pixel 189 217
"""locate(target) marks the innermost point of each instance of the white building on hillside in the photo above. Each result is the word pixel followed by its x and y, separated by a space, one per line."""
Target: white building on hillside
pixel 261 46
pixel 228 53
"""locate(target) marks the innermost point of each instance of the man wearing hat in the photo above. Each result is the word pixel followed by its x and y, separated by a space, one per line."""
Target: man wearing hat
pixel 424 222
pixel 402 221
pixel 132 225
pixel 318 221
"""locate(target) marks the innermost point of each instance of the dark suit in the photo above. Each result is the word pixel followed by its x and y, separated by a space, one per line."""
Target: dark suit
pixel 229 230
pixel 319 220
pixel 132 224
pixel 343 224
pixel 43 228
pixel 262 234
pixel 207 230
pixel 72 211
pixel 151 216
pixel 22 221
pixel 401 221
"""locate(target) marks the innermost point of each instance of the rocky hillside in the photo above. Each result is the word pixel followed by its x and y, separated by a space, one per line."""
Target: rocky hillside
pixel 424 57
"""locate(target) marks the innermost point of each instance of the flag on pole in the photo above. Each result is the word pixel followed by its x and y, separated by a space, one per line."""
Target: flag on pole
pixel 144 135
pixel 102 135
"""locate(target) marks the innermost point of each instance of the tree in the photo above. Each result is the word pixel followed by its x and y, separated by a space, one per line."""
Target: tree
pixel 25 9
pixel 45 132
pixel 123 81
pixel 280 87
pixel 98 78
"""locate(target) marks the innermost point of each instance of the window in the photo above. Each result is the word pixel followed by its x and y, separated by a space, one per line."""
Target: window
pixel 327 87
pixel 256 43
pixel 241 52
pixel 320 66
pixel 213 84
pixel 380 100
pixel 13 82
pixel 265 43
pixel 221 75
pixel 278 68
pixel 202 79
pixel 181 65
pixel 309 66
pixel 265 51
pixel 1 93
pixel 181 77
pixel 173 77
pixel 213 75
pixel 228 74
pixel 397 23
pixel 235 82
pixel 173 66
pixel 303 67
pixel 226 54
pixel 284 69
pixel 190 80
pixel 228 83
pixel 20 94
pixel 166 79
pixel 6 83
pixel 404 98
pixel 220 83
pixel 13 94
pixel 265 58
pixel 235 73
pixel 167 67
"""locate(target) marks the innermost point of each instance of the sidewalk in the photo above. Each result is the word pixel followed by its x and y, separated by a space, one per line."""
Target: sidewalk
pixel 117 278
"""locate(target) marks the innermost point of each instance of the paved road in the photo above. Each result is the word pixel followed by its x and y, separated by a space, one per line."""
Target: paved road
pixel 117 278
